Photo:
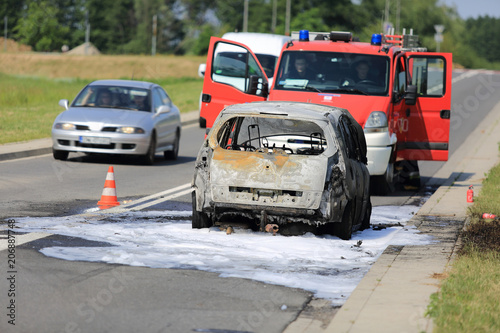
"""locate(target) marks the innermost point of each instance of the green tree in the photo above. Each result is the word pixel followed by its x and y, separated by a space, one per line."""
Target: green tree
pixel 40 27
pixel 482 36
pixel 112 24
pixel 12 9
pixel 71 16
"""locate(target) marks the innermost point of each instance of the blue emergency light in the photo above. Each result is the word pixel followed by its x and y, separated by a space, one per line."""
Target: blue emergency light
pixel 376 39
pixel 304 35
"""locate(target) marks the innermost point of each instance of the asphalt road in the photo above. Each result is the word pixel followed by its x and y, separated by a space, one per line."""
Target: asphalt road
pixel 59 296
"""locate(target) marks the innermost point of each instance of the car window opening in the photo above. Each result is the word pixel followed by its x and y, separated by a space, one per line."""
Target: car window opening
pixel 272 136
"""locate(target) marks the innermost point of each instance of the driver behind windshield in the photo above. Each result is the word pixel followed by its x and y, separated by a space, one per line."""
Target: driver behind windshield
pixel 360 74
pixel 301 69
pixel 105 98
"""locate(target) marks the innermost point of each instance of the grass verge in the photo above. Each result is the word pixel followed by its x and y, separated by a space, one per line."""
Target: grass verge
pixel 469 298
pixel 29 105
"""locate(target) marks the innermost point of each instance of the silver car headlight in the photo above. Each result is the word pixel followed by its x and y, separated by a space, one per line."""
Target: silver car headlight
pixel 65 126
pixel 376 122
pixel 130 130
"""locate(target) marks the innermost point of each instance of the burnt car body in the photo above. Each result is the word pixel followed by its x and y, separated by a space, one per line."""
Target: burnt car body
pixel 298 166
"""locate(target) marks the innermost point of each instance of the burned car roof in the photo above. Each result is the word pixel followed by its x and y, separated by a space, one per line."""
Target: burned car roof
pixel 291 109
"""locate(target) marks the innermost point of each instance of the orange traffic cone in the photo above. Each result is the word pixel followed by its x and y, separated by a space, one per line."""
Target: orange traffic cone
pixel 108 197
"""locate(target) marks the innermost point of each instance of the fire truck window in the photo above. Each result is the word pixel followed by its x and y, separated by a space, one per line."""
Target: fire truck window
pixel 428 74
pixel 326 72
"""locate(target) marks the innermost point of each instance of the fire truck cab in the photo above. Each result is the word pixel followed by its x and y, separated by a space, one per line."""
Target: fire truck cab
pixel 398 92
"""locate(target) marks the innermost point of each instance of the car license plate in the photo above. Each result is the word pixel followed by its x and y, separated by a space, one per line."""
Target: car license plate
pixel 95 140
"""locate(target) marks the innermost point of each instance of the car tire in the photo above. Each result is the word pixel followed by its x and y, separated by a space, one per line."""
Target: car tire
pixel 365 223
pixel 384 184
pixel 344 229
pixel 60 154
pixel 199 220
pixel 172 154
pixel 149 158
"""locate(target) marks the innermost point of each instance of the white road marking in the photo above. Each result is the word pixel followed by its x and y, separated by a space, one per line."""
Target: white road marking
pixel 20 239
pixel 148 201
pixel 157 201
pixel 464 75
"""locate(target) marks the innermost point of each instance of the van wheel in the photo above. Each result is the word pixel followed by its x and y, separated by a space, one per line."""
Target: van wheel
pixel 344 229
pixel 199 220
pixel 60 154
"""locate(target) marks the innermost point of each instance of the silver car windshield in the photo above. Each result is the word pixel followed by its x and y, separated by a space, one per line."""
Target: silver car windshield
pixel 114 97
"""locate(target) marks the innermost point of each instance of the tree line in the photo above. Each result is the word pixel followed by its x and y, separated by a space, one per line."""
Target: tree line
pixel 185 26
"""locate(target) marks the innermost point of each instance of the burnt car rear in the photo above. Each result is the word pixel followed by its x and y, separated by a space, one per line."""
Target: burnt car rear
pixel 297 166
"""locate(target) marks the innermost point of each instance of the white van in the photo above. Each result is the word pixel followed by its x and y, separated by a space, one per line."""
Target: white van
pixel 266 47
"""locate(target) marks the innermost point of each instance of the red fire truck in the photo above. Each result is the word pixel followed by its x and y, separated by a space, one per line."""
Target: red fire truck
pixel 398 92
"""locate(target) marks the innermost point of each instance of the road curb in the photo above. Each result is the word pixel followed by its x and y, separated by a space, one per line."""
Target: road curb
pixel 25 153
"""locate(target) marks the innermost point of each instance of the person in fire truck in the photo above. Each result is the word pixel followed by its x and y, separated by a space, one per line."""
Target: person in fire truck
pixel 301 70
pixel 361 74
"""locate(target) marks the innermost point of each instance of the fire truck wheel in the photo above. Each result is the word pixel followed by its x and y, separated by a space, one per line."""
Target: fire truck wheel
pixel 384 184
pixel 409 175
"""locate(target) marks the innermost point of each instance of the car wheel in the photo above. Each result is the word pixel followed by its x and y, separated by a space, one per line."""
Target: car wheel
pixel 200 220
pixel 365 223
pixel 149 158
pixel 344 228
pixel 172 154
pixel 60 154
pixel 384 184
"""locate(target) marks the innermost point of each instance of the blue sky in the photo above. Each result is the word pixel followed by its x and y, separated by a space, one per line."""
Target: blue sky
pixel 474 8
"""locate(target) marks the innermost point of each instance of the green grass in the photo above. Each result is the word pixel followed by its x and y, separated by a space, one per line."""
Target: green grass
pixel 29 105
pixel 469 298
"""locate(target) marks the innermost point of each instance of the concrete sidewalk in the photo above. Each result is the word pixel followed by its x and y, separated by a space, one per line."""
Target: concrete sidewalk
pixel 16 150
pixel 394 295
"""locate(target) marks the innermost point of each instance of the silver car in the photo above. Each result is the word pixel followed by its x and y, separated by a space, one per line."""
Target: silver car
pixel 118 117
pixel 283 166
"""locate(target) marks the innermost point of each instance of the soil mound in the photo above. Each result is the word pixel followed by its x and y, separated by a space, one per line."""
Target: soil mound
pixel 13 46
pixel 84 49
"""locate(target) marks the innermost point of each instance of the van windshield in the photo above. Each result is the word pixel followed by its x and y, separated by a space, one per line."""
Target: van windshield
pixel 268 62
pixel 334 72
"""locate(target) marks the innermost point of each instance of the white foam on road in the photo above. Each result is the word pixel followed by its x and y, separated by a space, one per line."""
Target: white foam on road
pixel 325 265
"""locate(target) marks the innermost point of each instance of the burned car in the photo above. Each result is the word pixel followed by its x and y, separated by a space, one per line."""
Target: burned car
pixel 297 167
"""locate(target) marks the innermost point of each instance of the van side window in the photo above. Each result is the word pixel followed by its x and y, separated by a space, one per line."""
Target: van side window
pixel 233 65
